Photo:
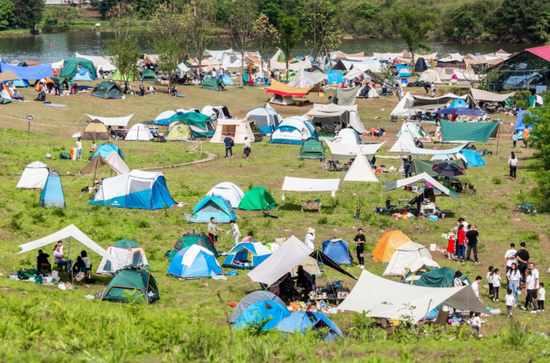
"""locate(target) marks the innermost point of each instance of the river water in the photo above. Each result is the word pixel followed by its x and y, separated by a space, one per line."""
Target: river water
pixel 57 46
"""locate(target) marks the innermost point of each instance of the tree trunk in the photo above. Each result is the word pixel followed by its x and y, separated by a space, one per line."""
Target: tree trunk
pixel 242 66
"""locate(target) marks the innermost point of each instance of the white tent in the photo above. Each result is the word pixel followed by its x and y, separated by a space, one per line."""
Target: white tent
pixel 405 255
pixel 34 176
pixel 238 129
pixel 327 109
pixel 341 151
pixel 423 177
pixel 112 121
pixel 216 112
pixel 266 118
pixel 166 115
pixel 139 132
pixel 348 136
pixel 68 232
pixel 430 76
pixel 99 62
pixel 405 143
pixel 414 127
pixel 423 263
pixel 381 298
pixel 307 79
pixel 311 185
pixel 404 107
pixel 229 191
pixel 361 171
pixel 125 252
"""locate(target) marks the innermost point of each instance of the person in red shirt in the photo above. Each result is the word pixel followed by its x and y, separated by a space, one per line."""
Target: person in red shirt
pixel 461 243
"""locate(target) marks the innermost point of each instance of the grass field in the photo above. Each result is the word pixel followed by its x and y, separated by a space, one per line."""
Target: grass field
pixel 44 323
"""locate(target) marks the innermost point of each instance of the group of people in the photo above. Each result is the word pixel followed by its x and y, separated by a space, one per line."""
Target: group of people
pixel 213 230
pixel 465 238
pixel 229 143
pixel 44 266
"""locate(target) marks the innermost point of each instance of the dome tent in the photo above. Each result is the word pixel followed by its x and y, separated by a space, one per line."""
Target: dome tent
pixel 127 252
pixel 229 191
pixel 246 255
pixel 34 176
pixel 387 245
pixel 194 262
pixel 257 198
pixel 189 239
pixel 338 251
pixel 405 255
pixel 259 313
pixel 106 149
pixel 131 278
pixel 72 65
pixel 251 299
pixel 95 130
pixel 83 75
pixel 213 206
pixel 139 132
pixel 265 118
pixel 312 149
pixel 289 131
pixel 301 321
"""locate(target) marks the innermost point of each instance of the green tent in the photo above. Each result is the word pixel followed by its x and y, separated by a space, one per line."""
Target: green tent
pixel 149 75
pixel 107 90
pixel 312 149
pixel 201 125
pixel 131 278
pixel 440 277
pixel 257 198
pixel 213 84
pixel 425 166
pixel 467 131
pixel 117 76
pixel 126 243
pixel 190 239
pixel 71 65
pixel 64 82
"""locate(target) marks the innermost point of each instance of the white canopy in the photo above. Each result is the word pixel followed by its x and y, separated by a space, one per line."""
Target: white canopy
pixel 311 185
pixel 423 177
pixel 406 255
pixel 405 143
pixel 341 151
pixel 112 121
pixel 99 62
pixel 403 107
pixel 58 65
pixel 68 232
pixel 361 171
pixel 478 94
pixel 381 298
pixel 354 120
pixel 273 64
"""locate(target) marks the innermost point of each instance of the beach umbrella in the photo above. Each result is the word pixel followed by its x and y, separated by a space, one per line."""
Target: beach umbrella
pixel 448 169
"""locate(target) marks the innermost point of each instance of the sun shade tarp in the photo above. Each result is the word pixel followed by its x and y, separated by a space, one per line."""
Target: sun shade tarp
pixel 405 143
pixel 481 95
pixel 442 100
pixel 346 96
pixel 467 131
pixel 382 298
pixel 273 64
pixel 310 185
pixel 423 177
pixel 112 121
pixel 426 166
pixel 282 89
pixel 460 111
pixel 8 76
pixel 34 72
pixel 68 232
pixel 340 151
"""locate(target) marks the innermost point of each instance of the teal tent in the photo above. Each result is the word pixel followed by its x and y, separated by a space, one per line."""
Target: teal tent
pixel 149 75
pixel 107 90
pixel 213 84
pixel 473 158
pixel 52 193
pixel 72 65
pixel 129 279
pixel 257 198
pixel 440 277
pixel 467 131
pixel 312 149
pixel 459 103
pixel 426 166
pixel 201 125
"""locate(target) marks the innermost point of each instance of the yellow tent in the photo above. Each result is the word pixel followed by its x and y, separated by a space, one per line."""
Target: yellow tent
pixel 388 244
pixel 179 132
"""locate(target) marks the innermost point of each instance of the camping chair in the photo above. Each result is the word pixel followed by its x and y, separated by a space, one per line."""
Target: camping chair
pixel 83 275
pixel 471 187
pixel 389 207
pixel 525 207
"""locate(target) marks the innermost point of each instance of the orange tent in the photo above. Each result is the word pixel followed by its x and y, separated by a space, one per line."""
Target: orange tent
pixel 388 244
pixel 55 72
pixel 282 89
pixel 49 83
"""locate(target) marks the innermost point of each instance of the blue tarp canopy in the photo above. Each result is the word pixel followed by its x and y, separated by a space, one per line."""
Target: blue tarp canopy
pixel 460 111
pixel 300 321
pixel 33 72
pixel 519 122
pixel 473 158
pixel 338 251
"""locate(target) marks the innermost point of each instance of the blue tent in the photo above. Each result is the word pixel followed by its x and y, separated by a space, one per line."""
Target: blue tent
pixel 301 321
pixel 403 70
pixel 334 77
pixel 194 262
pixel 52 194
pixel 106 150
pixel 338 251
pixel 473 158
pixel 265 312
pixel 519 122
pixel 33 72
pixel 251 299
pixel 246 255
pixel 227 80
pixel 213 206
pixel 459 103
pixel 20 83
pixel 83 75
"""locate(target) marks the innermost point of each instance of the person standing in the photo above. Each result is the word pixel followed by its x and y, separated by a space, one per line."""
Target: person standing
pixel 513 275
pixel 246 147
pixel 510 257
pixel 525 136
pixel 515 139
pixel 235 232
pixel 461 243
pixel 472 236
pixel 407 162
pixel 451 247
pixel 228 141
pixel 433 89
pixel 489 278
pixel 94 147
pixel 513 163
pixel 522 257
pixel 213 230
pixel 496 284
pixel 536 277
pixel 310 237
pixel 100 72
pixel 360 247
pixel 541 298
pixel 141 89
pixel 531 292
pixel 510 302
pixel 79 149
pixel 476 325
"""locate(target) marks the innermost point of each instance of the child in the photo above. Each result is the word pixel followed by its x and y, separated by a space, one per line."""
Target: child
pixel 451 247
pixel 489 278
pixel 476 325
pixel 542 296
pixel 496 283
pixel 510 302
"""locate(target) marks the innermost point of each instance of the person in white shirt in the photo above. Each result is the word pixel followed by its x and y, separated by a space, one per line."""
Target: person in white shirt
pixel 246 145
pixel 476 325
pixel 510 257
pixel 531 292
pixel 535 274
pixel 510 302
pixel 235 232
pixel 513 163
pixel 310 237
pixel 475 285
pixel 541 297
pixel 79 149
pixel 514 277
pixel 496 283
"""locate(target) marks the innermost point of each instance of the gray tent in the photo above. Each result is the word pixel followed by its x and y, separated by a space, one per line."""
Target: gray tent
pixel 251 299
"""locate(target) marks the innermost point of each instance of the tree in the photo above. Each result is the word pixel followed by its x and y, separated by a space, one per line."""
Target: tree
pixel 413 24
pixel 322 26
pixel 6 13
pixel 241 23
pixel 290 35
pixel 202 15
pixel 265 35
pixel 28 13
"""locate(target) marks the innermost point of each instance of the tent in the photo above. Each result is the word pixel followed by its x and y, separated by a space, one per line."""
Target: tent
pixel 311 185
pixel 179 131
pixel 440 277
pixel 114 161
pixel 137 189
pixel 95 130
pixel 265 314
pixel 216 112
pixel 519 121
pixel 378 297
pixel 420 65
pixel 213 84
pixel 246 255
pixel 52 193
pixel 72 65
pixel 226 79
pixel 301 321
pixel 189 239
pixel 405 143
pixel 334 77
pixel 348 136
pixel 467 131
pixel 402 70
pixel 417 268
pixel 387 245
pixel 148 75
pixel 126 77
pixel 361 171
pixel 338 251
pixel 284 100
pixel 213 206
pixel 289 131
pixel 99 62
pixel 131 278
pixel 420 178
pixel 343 151
pixel 83 75
pixel 430 76
pixel 200 125
pixel 426 166
pixel 107 90
pixel 112 121
pixel 28 73
pixel 194 262
pixel 327 115
pixel 237 129
pixel 106 149
pixel 458 103
pixel 404 256
pixel 414 128
pixel 312 149
pixel 473 158
pixel 265 118
pixel 257 198
pixel 229 191
pixel 125 252
pixel 405 107
pixel 34 176
pixel 282 89
pixel 139 132
pixel 251 299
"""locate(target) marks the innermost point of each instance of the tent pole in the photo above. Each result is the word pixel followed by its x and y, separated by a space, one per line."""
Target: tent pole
pixel 428 310
pixel 71 259
pixel 498 135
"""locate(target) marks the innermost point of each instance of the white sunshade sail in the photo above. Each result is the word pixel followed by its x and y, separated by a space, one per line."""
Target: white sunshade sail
pixel 112 121
pixel 273 64
pixel 478 94
pixel 311 185
pixel 382 298
pixel 341 151
pixel 405 143
pixel 68 232
pixel 423 177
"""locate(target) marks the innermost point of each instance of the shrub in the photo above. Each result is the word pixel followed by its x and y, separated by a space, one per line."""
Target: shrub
pixel 496 180
pixel 501 206
pixel 323 220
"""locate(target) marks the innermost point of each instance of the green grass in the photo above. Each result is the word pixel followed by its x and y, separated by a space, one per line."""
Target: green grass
pixel 43 323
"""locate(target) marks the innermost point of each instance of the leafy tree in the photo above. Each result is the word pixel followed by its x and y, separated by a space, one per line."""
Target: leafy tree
pixel 28 13
pixel 6 13
pixel 322 26
pixel 241 22
pixel 142 8
pixel 202 16
pixel 271 9
pixel 413 24
pixel 265 34
pixel 223 12
pixel 290 35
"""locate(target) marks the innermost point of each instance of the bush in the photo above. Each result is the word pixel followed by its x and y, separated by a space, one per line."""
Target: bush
pixel 322 221
pixel 496 180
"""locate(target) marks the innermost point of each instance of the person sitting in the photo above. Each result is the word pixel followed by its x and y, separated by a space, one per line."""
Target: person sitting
pixel 305 281
pixel 82 261
pixel 418 143
pixel 60 258
pixel 287 290
pixel 42 263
